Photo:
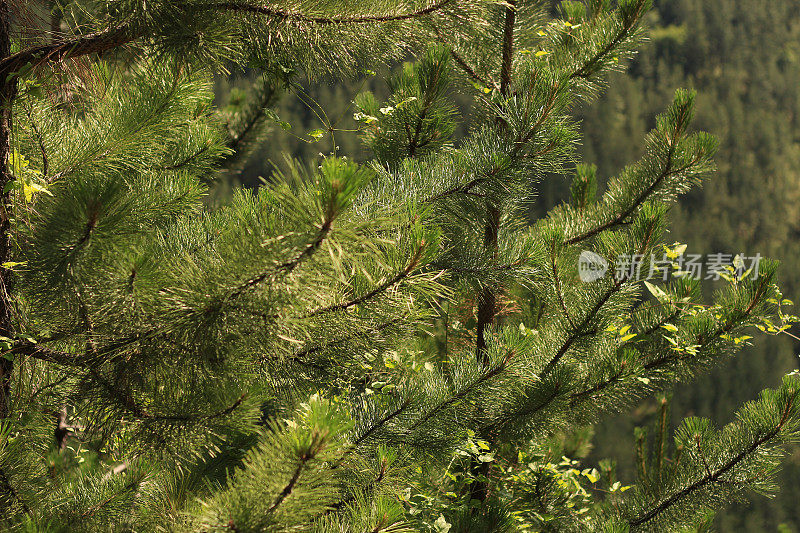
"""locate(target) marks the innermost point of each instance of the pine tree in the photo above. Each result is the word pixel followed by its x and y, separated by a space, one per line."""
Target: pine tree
pixel 377 347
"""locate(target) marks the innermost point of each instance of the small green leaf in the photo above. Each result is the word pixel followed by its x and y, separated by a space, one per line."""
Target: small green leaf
pixel 656 291
pixel 441 525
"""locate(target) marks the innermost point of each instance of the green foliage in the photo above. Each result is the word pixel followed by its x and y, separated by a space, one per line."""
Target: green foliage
pixel 418 118
pixel 385 346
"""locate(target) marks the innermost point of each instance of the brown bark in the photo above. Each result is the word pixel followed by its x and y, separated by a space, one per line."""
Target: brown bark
pixel 8 90
pixel 487 298
pixel 55 22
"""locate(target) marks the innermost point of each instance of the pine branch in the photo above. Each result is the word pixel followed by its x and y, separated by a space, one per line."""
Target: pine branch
pixel 400 276
pixel 519 143
pixel 722 330
pixel 289 266
pixel 188 160
pixel 6 486
pixel 494 428
pixel 362 334
pixel 667 172
pixel 42 353
pixel 100 505
pixel 461 62
pixel 374 427
pixel 309 454
pixel 579 332
pixel 326 20
pixel 40 141
pixel 483 378
pixel 586 69
pixel 713 477
pixel 557 288
pixel 341 504
pixel 577 397
pixel 193 418
pixel 99 42
pixel 121 35
pixel 426 105
pixel 664 361
pixel 669 318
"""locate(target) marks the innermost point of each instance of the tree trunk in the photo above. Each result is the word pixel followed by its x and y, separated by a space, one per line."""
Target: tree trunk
pixel 55 22
pixel 8 90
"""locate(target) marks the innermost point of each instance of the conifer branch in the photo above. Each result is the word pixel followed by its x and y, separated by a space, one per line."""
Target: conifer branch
pixel 100 505
pixel 362 334
pixel 400 276
pixel 480 380
pixel 404 405
pixel 186 161
pixel 245 127
pixel 317 442
pixel 722 330
pixel 461 62
pixel 427 102
pixel 192 418
pixel 577 397
pixel 40 141
pixel 42 353
pixel 289 266
pixel 98 42
pixel 669 318
pixel 557 281
pixel 325 20
pixel 341 504
pixel 714 477
pixel 520 414
pixel 6 486
pixel 120 35
pixel 375 426
pixel 663 361
pixel 667 172
pixel 587 68
pixel 519 143
pixel 580 331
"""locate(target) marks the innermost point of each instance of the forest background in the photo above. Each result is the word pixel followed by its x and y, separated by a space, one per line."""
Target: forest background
pixel 743 58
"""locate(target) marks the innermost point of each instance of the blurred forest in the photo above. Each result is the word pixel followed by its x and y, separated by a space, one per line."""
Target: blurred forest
pixel 743 58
